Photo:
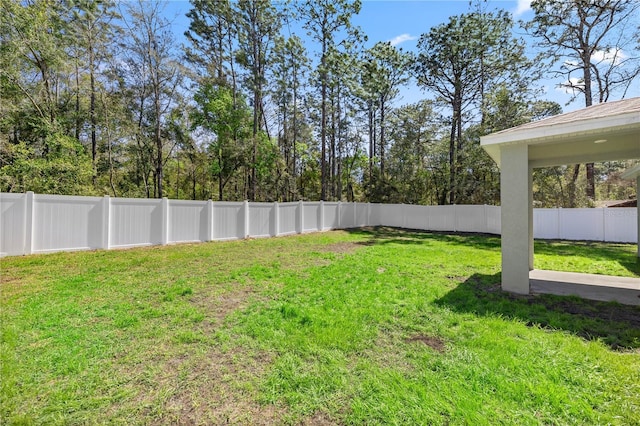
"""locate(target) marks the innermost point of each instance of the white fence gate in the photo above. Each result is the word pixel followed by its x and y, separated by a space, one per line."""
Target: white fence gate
pixel 33 223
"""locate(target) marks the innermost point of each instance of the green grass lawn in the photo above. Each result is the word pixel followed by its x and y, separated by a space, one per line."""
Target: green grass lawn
pixel 375 326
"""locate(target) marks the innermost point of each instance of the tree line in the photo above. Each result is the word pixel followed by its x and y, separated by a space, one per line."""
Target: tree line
pixel 98 97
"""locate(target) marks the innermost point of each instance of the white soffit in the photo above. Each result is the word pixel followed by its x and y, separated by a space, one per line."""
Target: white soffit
pixel 603 132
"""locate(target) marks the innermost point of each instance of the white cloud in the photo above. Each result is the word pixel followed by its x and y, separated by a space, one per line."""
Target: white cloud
pixel 612 56
pixel 401 39
pixel 522 7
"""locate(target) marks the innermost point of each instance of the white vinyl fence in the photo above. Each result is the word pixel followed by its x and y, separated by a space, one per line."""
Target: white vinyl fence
pixel 33 223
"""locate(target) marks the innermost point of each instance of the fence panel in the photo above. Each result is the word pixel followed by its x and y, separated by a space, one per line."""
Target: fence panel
pixel 228 220
pixel 442 218
pixel 261 219
pixel 546 224
pixel 289 221
pixel 187 221
pixel 12 224
pixel 470 219
pixel 66 223
pixel 330 220
pixel 375 215
pixel 494 220
pixel 621 224
pixel 391 215
pixel 363 215
pixel 348 215
pixel 311 217
pixel 416 217
pixel 582 224
pixel 135 222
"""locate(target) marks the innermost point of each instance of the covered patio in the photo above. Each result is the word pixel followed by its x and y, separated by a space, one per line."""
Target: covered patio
pixel 604 132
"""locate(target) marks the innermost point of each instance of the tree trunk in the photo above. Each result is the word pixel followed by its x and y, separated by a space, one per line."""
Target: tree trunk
pixel 92 113
pixel 382 138
pixel 572 186
pixel 371 140
pixel 158 140
pixel 588 100
pixel 591 183
pixel 323 120
pixel 453 143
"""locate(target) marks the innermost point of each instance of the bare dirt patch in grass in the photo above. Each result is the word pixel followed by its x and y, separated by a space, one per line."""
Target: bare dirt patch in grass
pixel 342 247
pixel 299 264
pixel 434 342
pixel 219 390
pixel 213 387
pixel 219 306
pixel 319 419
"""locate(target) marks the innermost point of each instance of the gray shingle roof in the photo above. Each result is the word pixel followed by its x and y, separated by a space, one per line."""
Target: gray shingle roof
pixel 606 109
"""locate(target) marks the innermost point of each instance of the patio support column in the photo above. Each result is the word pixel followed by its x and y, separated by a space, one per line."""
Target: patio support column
pixel 516 216
pixel 531 248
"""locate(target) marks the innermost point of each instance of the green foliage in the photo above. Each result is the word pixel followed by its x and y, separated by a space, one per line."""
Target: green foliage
pixel 589 45
pixel 417 159
pixel 63 168
pixel 272 115
pixel 228 119
pixel 462 61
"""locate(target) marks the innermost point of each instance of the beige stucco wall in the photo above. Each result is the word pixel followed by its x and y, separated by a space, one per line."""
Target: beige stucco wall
pixel 517 218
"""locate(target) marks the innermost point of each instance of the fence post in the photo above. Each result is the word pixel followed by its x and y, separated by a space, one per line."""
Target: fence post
pixel 559 231
pixel 403 215
pixel 246 218
pixel 300 217
pixel 276 219
pixel 321 224
pixel 106 222
pixel 209 220
pixel 455 218
pixel 28 222
pixel 486 219
pixel 604 224
pixel 164 239
pixel 339 212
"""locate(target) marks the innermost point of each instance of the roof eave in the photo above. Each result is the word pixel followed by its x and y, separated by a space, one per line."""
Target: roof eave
pixel 543 134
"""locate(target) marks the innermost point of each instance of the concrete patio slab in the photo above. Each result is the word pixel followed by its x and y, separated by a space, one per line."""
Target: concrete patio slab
pixel 606 288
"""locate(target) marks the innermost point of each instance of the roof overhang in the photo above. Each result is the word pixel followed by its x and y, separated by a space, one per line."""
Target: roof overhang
pixel 580 136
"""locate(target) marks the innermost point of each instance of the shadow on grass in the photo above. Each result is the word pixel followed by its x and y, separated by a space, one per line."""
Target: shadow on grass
pixel 381 235
pixel 606 252
pixel 618 326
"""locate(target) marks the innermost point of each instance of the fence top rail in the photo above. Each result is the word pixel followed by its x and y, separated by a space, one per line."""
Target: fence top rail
pixel 134 201
pixel 198 203
pixel 11 195
pixel 66 198
pixel 260 205
pixel 228 203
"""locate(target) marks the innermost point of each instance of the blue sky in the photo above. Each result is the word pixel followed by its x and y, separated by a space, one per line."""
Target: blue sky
pixel 402 22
